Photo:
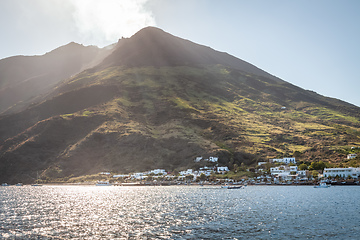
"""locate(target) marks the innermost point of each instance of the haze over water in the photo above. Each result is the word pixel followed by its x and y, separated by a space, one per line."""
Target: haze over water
pixel 260 212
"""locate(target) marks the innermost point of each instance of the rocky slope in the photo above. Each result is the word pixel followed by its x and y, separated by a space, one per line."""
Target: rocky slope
pixel 25 79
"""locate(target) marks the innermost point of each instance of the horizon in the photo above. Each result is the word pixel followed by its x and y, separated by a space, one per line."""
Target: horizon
pixel 311 45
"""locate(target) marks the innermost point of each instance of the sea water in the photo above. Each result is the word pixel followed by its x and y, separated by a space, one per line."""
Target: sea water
pixel 179 212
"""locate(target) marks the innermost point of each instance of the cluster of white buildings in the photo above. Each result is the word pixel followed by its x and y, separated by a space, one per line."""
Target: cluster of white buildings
pixel 286 160
pixel 210 159
pixel 195 174
pixel 283 172
pixel 142 175
pixel 341 172
pixel 207 171
pixel 289 173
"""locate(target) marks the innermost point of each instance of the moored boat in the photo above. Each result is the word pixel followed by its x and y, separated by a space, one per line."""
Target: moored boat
pixel 103 183
pixel 322 185
pixel 231 187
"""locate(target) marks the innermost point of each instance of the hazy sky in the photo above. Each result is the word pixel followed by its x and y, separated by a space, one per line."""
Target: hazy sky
pixel 314 44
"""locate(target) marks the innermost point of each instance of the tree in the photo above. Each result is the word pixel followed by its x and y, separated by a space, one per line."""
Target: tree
pixel 212 177
pixel 314 173
pixel 189 177
pixel 303 166
pixel 317 165
pixel 242 167
pixel 202 177
pixel 235 167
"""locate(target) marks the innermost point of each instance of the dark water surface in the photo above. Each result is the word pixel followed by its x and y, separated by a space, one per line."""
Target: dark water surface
pixel 256 212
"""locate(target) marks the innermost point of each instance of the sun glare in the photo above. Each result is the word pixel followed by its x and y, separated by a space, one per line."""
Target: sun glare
pixel 106 21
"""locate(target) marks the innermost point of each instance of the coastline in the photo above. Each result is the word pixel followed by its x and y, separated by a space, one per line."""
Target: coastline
pixel 142 184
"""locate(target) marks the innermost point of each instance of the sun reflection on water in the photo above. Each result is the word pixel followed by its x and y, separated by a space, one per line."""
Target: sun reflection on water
pixel 89 212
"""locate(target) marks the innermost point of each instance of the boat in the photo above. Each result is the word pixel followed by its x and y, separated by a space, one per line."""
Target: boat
pixel 19 184
pixel 322 185
pixel 234 187
pixel 103 183
pixel 231 187
pixel 36 185
pixel 4 185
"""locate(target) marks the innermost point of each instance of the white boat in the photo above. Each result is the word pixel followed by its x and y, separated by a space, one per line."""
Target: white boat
pixel 103 183
pixel 322 185
pixel 19 184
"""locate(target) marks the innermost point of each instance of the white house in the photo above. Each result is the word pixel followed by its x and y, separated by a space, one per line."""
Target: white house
pixel 342 172
pixel 121 175
pixel 261 163
pixel 187 172
pixel 302 173
pixel 351 156
pixel 284 160
pixel 213 159
pixel 206 168
pixel 289 160
pixel 139 176
pixel 293 168
pixel 277 170
pixel 287 172
pixel 206 172
pixel 158 171
pixel 222 169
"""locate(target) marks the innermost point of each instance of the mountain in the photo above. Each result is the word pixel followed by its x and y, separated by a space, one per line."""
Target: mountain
pixel 24 79
pixel 154 47
pixel 159 101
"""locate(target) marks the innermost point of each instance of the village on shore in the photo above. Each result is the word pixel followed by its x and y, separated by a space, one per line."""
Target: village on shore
pixel 277 171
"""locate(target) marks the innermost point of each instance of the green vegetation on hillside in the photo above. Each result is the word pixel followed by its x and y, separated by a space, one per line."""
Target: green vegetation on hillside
pixel 165 117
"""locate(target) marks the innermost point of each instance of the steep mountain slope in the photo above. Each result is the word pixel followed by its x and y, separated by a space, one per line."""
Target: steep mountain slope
pixel 144 108
pixel 23 79
pixel 154 47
